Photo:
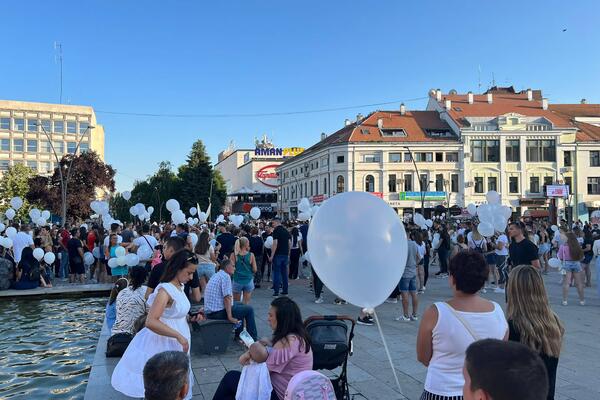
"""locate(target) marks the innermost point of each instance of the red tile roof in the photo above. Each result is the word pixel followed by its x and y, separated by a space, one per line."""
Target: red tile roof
pixel 587 132
pixel 576 110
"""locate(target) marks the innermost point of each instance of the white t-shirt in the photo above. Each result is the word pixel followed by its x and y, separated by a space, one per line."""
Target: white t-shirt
pixel 21 241
pixel 504 252
pixel 107 240
pixel 421 250
pixel 140 241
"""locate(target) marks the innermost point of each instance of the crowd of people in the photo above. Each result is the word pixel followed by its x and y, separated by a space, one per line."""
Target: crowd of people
pixel 219 266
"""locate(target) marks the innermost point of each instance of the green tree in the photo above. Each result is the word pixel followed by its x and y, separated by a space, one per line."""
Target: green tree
pixel 15 182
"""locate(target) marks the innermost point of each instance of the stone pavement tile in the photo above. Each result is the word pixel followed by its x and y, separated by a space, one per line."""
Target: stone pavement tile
pixel 198 396
pixel 579 392
pixel 212 374
pixel 374 390
pixel 208 390
pixel 204 361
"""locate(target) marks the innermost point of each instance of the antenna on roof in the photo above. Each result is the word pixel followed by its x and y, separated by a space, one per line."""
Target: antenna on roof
pixel 493 80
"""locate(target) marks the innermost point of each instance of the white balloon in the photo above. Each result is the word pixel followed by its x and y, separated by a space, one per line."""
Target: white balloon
pixel 113 263
pixel 429 223
pixel 419 219
pixel 144 252
pixel 506 211
pixel 150 210
pixel 11 232
pixel 35 214
pixel 133 211
pixel 554 262
pixel 10 213
pixel 41 221
pixel 313 210
pixel 255 212
pixel 16 203
pixel 172 205
pixel 351 241
pixel 193 211
pixel 486 229
pixel 49 257
pixel 126 195
pixel 304 205
pixel 304 216
pixel 38 254
pixel 492 197
pixel 202 217
pixel 96 252
pixel 140 209
pixel 499 223
pixel 472 209
pixel 196 221
pixel 132 259
pixel 88 258
pixel 554 228
pixel 194 239
pixel 236 220
pixel 269 242
pixel 2 227
pixel 7 242
pixel 46 214
pixel 120 251
pixel 178 217
pixel 122 261
pixel 190 221
pixel 485 214
pixel 220 218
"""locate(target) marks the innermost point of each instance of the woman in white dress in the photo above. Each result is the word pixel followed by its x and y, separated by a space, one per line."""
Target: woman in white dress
pixel 166 326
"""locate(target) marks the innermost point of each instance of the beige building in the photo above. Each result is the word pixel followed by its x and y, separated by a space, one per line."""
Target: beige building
pixel 26 126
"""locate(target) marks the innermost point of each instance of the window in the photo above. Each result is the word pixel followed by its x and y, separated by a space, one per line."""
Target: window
pixel 71 147
pixel 513 184
pixel 593 185
pixel 32 146
pixel 325 190
pixel 513 151
pixel 47 125
pixel 567 160
pixel 83 128
pixel 305 189
pixel 371 158
pixel 534 184
pixel 485 150
pixel 407 157
pixel 451 157
pixel 369 183
pixel 5 123
pixel 19 124
pixel 46 167
pixel 84 147
pixel 478 184
pixel 32 125
pixel 300 190
pixel 395 157
pixel 439 157
pixel 71 127
pixel 339 187
pixel 548 180
pixel 340 160
pixel 311 188
pixel 392 183
pixel 33 165
pixel 408 183
pixel 492 183
pixel 423 183
pixel 59 147
pixel 18 144
pixel 424 157
pixel 541 150
pixel 46 148
pixel 594 159
pixel 5 144
pixel 393 132
pixel 454 183
pixel 4 165
pixel 59 126
pixel 317 186
pixel 439 183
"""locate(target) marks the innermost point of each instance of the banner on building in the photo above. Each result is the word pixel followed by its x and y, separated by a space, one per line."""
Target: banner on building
pixel 417 196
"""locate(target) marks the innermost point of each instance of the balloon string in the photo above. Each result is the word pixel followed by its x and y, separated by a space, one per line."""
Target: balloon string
pixel 387 351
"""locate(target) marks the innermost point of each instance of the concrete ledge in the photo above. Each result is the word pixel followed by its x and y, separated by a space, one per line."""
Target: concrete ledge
pixel 88 290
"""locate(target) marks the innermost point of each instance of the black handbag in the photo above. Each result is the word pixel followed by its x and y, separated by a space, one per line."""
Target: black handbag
pixel 117 344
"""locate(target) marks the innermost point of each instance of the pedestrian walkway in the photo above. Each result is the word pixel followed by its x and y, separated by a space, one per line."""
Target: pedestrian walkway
pixel 369 370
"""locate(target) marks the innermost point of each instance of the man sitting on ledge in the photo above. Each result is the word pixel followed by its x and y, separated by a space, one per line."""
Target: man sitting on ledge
pixel 218 300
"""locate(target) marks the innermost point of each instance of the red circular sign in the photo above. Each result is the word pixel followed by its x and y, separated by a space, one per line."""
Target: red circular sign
pixel 267 175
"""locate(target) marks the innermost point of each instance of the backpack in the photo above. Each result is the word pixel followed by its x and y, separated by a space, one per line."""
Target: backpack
pixel 309 385
pixel 479 246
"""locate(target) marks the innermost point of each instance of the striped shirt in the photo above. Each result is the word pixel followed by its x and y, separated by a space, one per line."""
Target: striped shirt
pixel 131 304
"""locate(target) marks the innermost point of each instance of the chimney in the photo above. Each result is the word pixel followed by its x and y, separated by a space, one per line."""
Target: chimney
pixel 347 122
pixel 470 96
pixel 490 98
pixel 323 135
pixel 583 101
pixel 529 94
pixel 380 123
pixel 448 104
pixel 359 117
pixel 402 109
pixel 544 103
pixel 438 95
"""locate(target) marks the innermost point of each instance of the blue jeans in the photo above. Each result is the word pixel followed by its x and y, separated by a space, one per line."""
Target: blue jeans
pixel 64 264
pixel 242 312
pixel 280 274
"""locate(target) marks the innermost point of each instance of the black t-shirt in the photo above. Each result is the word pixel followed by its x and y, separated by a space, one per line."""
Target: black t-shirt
pixel 159 270
pixel 127 236
pixel 590 252
pixel 256 245
pixel 283 245
pixel 523 252
pixel 304 231
pixel 72 247
pixel 227 241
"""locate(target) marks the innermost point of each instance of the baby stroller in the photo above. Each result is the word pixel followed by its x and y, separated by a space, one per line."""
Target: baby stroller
pixel 331 346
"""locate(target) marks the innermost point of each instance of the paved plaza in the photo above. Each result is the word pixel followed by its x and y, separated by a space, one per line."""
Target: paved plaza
pixel 369 371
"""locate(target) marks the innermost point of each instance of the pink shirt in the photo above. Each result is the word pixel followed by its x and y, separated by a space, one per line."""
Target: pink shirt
pixel 564 253
pixel 284 363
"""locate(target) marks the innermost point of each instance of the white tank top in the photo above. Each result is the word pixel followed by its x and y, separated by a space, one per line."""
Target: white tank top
pixel 450 341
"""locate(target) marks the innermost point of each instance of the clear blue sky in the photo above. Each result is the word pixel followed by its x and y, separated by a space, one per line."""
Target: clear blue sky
pixel 201 57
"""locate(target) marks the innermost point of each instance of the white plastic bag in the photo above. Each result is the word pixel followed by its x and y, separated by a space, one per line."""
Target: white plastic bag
pixel 255 383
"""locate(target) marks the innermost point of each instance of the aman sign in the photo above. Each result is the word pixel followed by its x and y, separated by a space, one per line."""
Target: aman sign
pixel 278 151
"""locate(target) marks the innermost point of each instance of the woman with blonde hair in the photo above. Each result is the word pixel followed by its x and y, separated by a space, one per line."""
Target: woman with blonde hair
pixel 571 254
pixel 245 268
pixel 531 321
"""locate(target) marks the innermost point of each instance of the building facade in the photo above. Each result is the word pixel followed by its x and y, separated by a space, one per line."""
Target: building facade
pixel 25 128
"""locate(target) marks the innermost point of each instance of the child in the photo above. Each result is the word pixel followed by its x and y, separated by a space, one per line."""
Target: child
pixel 258 353
pixel 111 306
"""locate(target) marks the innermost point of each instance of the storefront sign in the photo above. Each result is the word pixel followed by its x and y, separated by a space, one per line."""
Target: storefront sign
pixel 278 151
pixel 318 198
pixel 267 175
pixel 378 194
pixel 561 191
pixel 417 196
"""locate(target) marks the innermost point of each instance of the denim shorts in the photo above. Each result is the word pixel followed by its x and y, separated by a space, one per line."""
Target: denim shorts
pixel 571 266
pixel 207 270
pixel 408 285
pixel 243 287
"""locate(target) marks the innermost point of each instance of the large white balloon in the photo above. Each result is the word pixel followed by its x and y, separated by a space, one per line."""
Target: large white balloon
pixel 472 209
pixel 113 263
pixel 38 254
pixel 499 223
pixel 507 212
pixel 88 258
pixel 11 232
pixel 236 220
pixel 122 261
pixel 172 205
pixel 485 214
pixel 304 216
pixel 35 214
pixel 419 219
pixel 269 242
pixel 492 197
pixel 126 195
pixel 190 221
pixel 193 211
pixel 120 251
pixel 255 212
pixel 554 262
pixel 10 213
pixel 7 242
pixel 194 237
pixel 49 258
pixel 45 214
pixel 132 259
pixel 485 228
pixel 16 203
pixel 352 240
pixel 133 211
pixel 554 228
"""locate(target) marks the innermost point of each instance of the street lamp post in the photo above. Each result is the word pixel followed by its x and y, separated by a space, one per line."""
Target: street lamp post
pixel 64 180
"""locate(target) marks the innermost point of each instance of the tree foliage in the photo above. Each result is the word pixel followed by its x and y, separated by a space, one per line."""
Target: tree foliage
pixel 15 182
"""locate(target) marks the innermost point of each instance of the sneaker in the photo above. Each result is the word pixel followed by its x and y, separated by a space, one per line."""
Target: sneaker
pixel 339 302
pixel 392 301
pixel 319 300
pixel 403 318
pixel 582 303
pixel 499 290
pixel 275 294
pixel 284 293
pixel 364 321
pixel 424 288
pixel 414 317
pixel 420 291
pixel 564 303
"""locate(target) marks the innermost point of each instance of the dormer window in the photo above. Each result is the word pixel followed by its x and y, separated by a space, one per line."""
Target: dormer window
pixel 439 133
pixel 393 133
pixel 538 127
